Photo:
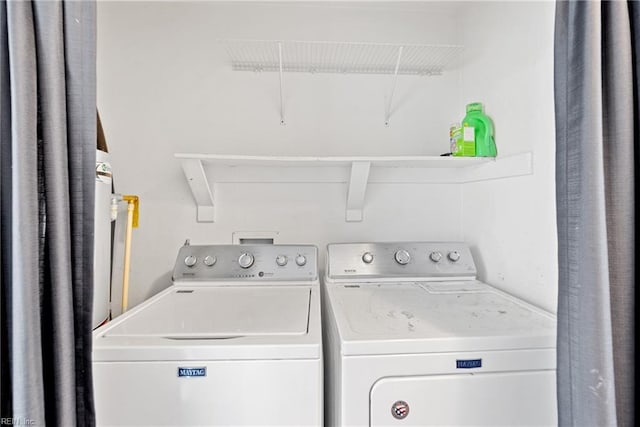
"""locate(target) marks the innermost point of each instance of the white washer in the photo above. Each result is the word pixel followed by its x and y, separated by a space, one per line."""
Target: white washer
pixel 235 341
pixel 413 339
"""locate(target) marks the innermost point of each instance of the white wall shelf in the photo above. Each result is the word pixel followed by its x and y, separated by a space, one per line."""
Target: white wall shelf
pixel 341 57
pixel 203 169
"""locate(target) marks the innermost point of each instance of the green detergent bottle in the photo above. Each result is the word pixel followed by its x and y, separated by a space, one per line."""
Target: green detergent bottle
pixel 478 127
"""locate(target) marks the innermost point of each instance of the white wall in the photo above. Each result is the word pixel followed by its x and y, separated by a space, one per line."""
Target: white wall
pixel 511 223
pixel 165 86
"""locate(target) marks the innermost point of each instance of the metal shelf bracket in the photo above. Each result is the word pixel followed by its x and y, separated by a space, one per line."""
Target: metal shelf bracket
pixel 393 87
pixel 282 122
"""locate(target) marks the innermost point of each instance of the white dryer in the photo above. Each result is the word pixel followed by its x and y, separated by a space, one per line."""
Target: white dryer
pixel 413 339
pixel 235 341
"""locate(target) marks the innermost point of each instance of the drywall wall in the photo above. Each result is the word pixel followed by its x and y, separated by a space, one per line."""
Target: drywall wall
pixel 165 86
pixel 511 223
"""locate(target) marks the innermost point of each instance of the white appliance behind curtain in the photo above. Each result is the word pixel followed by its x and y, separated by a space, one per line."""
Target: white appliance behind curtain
pixel 102 240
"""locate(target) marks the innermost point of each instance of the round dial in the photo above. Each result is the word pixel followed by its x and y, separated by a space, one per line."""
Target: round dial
pixel 454 256
pixel 435 256
pixel 246 260
pixel 367 258
pixel 209 260
pixel 282 260
pixel 190 261
pixel 301 260
pixel 402 257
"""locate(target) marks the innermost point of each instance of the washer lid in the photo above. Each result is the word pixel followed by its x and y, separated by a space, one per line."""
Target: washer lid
pixel 394 318
pixel 219 313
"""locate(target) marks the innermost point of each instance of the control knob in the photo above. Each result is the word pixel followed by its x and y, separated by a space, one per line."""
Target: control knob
pixel 435 256
pixel 454 256
pixel 246 260
pixel 367 258
pixel 209 260
pixel 301 260
pixel 282 260
pixel 190 261
pixel 402 257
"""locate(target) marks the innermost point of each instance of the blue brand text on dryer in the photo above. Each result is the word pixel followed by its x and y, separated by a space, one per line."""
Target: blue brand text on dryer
pixel 192 372
pixel 468 363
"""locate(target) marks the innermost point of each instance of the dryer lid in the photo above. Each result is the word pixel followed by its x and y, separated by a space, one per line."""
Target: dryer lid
pixel 220 312
pixel 394 318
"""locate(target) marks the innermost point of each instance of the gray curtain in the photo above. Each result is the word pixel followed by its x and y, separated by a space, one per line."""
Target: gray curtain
pixel 47 166
pixel 596 100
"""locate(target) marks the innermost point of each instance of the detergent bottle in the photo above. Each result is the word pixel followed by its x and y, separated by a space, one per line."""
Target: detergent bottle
pixel 463 141
pixel 455 138
pixel 478 127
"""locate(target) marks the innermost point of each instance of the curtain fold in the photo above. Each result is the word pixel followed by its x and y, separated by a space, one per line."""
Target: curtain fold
pixel 596 140
pixel 5 213
pixel 25 334
pixel 47 167
pixel 80 57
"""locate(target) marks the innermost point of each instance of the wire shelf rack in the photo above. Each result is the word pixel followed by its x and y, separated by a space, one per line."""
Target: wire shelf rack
pixel 341 57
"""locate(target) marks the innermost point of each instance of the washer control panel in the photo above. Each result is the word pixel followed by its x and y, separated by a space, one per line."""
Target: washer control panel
pixel 390 260
pixel 246 263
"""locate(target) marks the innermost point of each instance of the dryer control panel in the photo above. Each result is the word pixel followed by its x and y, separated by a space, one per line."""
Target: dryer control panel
pixel 400 260
pixel 246 263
